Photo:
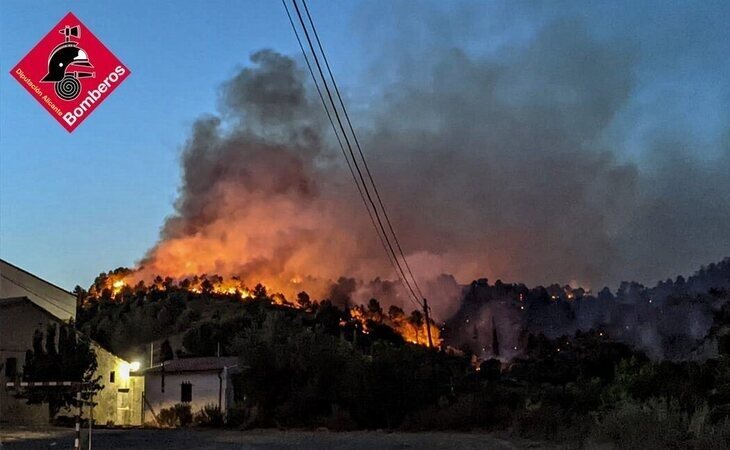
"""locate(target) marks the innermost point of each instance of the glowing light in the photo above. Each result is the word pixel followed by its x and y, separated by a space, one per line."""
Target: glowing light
pixel 123 371
pixel 134 366
pixel 117 286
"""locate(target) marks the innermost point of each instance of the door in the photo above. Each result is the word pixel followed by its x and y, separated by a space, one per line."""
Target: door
pixel 124 413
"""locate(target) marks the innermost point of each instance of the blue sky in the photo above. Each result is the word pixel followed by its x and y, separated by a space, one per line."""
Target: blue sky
pixel 73 205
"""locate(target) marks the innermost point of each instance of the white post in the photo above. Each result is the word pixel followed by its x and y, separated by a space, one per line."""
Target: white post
pixel 91 418
pixel 77 441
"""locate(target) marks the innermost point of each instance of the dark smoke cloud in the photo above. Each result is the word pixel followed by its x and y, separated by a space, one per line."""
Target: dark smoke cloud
pixel 508 165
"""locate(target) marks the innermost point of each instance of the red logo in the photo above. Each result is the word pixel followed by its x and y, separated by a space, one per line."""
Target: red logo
pixel 70 72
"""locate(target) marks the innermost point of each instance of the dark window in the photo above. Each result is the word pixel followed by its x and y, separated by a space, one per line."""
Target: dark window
pixel 11 367
pixel 186 392
pixel 112 376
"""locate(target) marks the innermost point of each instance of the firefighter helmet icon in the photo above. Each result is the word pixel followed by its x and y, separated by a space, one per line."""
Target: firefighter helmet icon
pixel 65 55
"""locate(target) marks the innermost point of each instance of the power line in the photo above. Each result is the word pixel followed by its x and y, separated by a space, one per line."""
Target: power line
pixel 48 299
pixel 337 135
pixel 352 154
pixel 382 236
pixel 359 149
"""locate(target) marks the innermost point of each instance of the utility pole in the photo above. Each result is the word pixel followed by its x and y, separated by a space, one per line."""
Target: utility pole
pixel 79 412
pixel 91 417
pixel 428 322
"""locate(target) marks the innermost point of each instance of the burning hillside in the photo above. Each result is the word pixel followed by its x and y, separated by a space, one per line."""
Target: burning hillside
pixel 115 286
pixel 481 181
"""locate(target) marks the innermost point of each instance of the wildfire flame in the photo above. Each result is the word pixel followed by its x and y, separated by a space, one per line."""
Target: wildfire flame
pixel 117 284
pixel 412 329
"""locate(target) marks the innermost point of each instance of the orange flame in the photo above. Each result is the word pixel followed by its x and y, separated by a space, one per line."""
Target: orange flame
pixel 413 329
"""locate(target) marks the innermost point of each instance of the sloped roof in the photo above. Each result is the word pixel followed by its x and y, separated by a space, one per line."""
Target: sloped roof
pixel 208 364
pixel 16 282
pixel 14 301
pixel 9 302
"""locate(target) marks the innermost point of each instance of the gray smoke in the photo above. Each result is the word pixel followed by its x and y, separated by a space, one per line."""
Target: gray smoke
pixel 508 165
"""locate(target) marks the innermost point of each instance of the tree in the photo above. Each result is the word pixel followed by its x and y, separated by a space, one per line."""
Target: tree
pixel 416 320
pixel 259 292
pixel 303 300
pixel 72 359
pixel 166 350
pixel 605 294
pixel 375 311
pixel 396 314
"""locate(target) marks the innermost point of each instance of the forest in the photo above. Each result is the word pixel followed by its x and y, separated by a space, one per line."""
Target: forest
pixel 312 363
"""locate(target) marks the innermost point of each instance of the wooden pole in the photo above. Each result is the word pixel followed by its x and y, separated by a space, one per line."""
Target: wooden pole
pixel 428 322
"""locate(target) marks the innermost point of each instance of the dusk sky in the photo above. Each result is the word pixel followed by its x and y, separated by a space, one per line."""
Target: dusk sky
pixel 76 204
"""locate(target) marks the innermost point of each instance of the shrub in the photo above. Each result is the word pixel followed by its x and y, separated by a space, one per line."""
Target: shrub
pixel 714 437
pixel 209 416
pixel 653 424
pixel 237 415
pixel 177 416
pixel 548 421
pixel 456 416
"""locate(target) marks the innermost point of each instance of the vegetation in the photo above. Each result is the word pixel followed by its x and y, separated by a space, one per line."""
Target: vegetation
pixel 209 416
pixel 178 415
pixel 59 354
pixel 315 366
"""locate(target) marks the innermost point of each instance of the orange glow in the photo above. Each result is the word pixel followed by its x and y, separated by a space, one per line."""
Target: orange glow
pixel 197 285
pixel 117 286
pixel 412 329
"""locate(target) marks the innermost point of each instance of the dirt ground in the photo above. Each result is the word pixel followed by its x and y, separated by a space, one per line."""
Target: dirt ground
pixel 138 439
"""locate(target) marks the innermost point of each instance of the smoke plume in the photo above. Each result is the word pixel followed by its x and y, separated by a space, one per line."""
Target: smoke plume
pixel 508 165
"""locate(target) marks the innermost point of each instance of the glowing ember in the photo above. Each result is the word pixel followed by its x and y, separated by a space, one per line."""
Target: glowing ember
pixel 117 286
pixel 413 328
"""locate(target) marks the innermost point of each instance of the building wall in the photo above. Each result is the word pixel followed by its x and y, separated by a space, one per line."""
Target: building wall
pixel 206 387
pixel 18 321
pixel 119 403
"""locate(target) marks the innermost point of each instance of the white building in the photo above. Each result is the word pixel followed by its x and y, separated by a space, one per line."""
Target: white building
pixel 198 382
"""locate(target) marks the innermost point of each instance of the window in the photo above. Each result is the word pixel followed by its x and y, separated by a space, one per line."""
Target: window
pixel 11 367
pixel 186 392
pixel 112 376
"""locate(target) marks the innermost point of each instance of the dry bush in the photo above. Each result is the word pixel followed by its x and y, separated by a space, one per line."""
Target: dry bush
pixel 176 416
pixel 209 416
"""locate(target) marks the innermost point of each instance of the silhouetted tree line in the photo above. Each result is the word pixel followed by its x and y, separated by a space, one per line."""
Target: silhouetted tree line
pixel 671 320
pixel 314 366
